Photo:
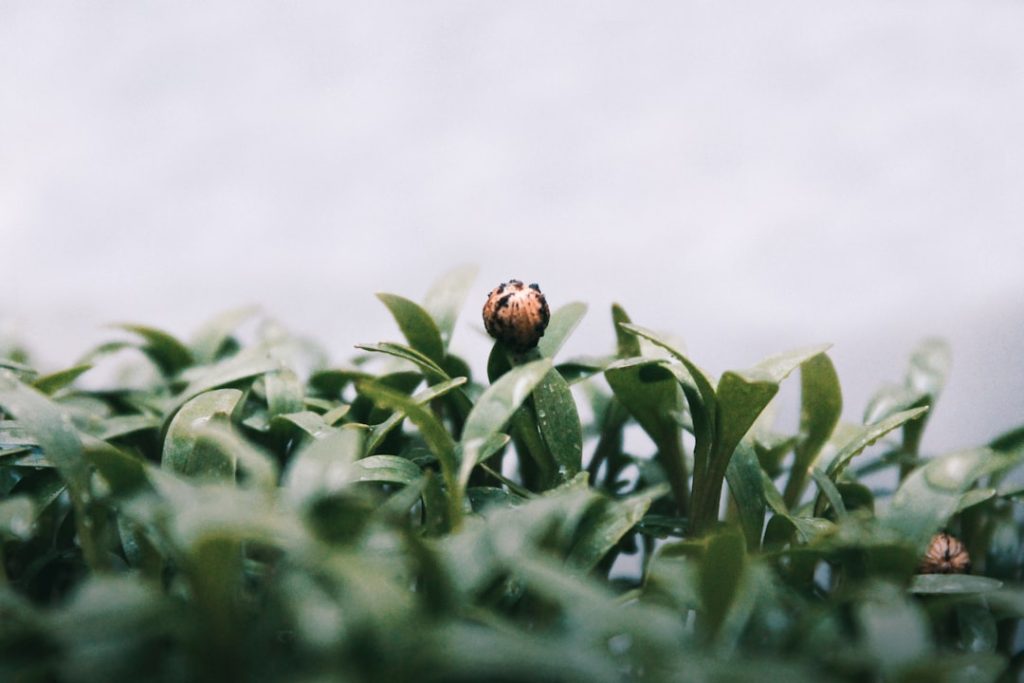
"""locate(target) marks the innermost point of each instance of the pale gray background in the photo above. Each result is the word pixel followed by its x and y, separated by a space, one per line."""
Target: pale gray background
pixel 751 176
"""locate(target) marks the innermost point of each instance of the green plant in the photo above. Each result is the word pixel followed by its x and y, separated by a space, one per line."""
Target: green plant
pixel 236 509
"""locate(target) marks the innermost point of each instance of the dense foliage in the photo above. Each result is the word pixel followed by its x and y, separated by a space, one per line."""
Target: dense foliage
pixel 235 508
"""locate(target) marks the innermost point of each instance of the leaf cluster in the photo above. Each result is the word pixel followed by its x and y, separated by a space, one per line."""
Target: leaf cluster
pixel 235 507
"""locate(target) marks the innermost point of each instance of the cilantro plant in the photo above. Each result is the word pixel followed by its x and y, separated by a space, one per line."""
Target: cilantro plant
pixel 236 507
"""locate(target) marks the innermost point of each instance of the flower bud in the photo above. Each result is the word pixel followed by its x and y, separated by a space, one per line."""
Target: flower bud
pixel 516 315
pixel 946 555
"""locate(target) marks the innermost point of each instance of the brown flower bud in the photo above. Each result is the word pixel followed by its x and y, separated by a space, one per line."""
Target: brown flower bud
pixel 516 315
pixel 946 555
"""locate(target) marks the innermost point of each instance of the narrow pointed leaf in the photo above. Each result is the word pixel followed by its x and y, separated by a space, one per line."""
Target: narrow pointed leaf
pixel 563 321
pixel 446 298
pixel 418 328
pixel 559 423
pixel 50 384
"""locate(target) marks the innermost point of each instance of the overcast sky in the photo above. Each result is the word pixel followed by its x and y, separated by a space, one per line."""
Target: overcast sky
pixel 749 176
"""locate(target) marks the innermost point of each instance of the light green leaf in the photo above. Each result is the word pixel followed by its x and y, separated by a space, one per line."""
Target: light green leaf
pixel 386 469
pixel 563 321
pixel 930 495
pixel 431 370
pixel 496 405
pixel 952 584
pixel 322 467
pixel 182 452
pixel 284 392
pixel 312 424
pixel 866 435
pixel 720 578
pixel 446 298
pixel 418 328
pixel 821 404
pixel 17 516
pixel 210 340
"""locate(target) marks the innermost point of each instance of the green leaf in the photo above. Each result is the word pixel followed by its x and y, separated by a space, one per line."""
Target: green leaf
pixel 51 427
pixel 975 497
pixel 952 584
pixel 310 423
pixel 830 492
pixel 437 438
pixel 284 392
pixel 496 405
pixel 563 321
pixel 821 404
pixel 473 452
pixel 434 433
pixel 124 474
pixel 866 435
pixel 243 365
pixel 649 390
pixel 257 468
pixel 123 425
pixel 432 370
pixel 17 516
pixel 169 354
pixel 446 298
pixel 627 345
pixel 183 453
pixel 929 496
pixel 50 384
pixel 606 524
pixel 380 431
pixel 977 626
pixel 746 483
pixel 417 326
pixel 212 337
pixel 740 398
pixel 322 467
pixel 559 424
pixel 720 578
pixel 700 398
pixel 385 468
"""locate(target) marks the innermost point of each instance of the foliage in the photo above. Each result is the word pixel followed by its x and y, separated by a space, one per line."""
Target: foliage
pixel 234 508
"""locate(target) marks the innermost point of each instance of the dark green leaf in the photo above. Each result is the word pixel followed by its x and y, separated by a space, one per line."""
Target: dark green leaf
pixel 50 384
pixel 169 354
pixel 746 483
pixel 559 423
pixel 607 523
pixel 627 345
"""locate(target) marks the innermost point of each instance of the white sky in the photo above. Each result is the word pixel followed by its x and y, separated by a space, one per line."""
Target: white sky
pixel 750 176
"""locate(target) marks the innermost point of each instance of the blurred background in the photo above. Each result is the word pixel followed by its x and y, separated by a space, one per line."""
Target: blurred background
pixel 748 176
